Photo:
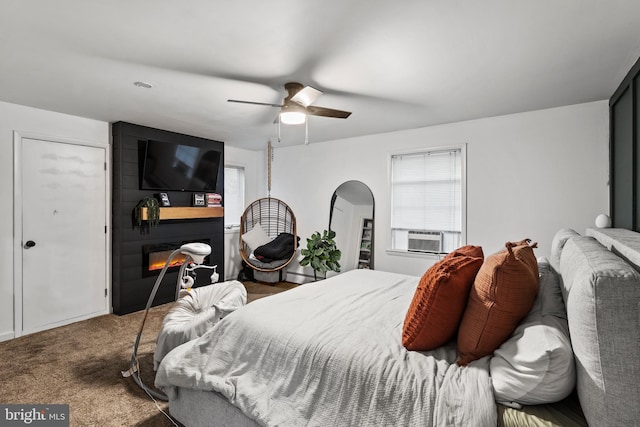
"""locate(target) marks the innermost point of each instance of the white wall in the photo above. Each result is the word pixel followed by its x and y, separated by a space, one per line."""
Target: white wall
pixel 26 119
pixel 254 163
pixel 528 175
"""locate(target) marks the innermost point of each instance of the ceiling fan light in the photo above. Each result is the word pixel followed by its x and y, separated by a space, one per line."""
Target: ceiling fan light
pixel 292 117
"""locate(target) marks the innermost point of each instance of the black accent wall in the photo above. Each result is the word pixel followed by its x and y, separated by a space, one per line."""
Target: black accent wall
pixel 130 287
pixel 624 112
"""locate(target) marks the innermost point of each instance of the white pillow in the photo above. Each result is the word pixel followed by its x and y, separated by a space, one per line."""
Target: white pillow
pixel 255 237
pixel 536 365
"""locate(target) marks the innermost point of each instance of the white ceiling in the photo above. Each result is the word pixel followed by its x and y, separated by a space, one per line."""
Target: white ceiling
pixel 394 64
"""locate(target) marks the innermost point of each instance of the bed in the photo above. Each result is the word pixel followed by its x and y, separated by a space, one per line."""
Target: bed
pixel 332 353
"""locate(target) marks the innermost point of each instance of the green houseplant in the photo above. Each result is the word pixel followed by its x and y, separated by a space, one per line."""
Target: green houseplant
pixel 321 253
pixel 153 212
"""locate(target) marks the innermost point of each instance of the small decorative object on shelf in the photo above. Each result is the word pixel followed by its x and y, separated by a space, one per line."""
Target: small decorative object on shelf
pixel 214 200
pixel 198 200
pixel 164 199
pixel 152 207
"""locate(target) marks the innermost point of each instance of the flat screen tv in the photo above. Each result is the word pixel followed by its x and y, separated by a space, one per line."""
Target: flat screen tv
pixel 174 166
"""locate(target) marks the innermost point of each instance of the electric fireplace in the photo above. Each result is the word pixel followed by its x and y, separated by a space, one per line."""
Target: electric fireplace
pixel 155 256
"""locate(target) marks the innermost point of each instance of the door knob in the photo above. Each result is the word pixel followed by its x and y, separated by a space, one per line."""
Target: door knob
pixel 29 244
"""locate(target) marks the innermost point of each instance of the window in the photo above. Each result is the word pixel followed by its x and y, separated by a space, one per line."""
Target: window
pixel 427 200
pixel 233 196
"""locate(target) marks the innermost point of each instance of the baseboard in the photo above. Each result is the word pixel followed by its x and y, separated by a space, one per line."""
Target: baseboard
pixel 65 322
pixel 300 279
pixel 6 336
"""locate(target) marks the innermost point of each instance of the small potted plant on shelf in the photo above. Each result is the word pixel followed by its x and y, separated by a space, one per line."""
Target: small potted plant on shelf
pixel 153 213
pixel 321 254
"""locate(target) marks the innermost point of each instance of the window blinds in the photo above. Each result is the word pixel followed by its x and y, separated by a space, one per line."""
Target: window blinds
pixel 427 191
pixel 233 195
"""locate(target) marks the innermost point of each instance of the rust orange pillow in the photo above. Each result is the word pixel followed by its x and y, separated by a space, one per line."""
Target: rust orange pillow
pixel 468 250
pixel 438 303
pixel 502 294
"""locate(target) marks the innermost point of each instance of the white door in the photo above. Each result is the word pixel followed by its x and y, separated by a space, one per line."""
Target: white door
pixel 64 240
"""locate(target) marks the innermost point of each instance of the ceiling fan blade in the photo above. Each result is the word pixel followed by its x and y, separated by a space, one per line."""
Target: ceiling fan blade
pixel 254 103
pixel 328 112
pixel 306 96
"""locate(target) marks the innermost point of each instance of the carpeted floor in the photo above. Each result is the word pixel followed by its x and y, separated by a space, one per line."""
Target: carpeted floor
pixel 80 365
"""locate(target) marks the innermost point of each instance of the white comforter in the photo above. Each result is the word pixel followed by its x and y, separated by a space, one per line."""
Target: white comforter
pixel 329 353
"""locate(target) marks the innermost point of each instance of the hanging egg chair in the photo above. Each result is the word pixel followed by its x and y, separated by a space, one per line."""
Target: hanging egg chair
pixel 277 221
pixel 268 238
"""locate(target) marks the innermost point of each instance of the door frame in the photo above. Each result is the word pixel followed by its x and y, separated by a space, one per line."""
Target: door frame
pixel 18 137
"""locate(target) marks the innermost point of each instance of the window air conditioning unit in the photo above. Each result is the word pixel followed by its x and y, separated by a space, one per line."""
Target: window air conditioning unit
pixel 425 241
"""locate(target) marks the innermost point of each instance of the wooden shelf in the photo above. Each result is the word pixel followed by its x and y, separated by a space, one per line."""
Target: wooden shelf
pixel 185 212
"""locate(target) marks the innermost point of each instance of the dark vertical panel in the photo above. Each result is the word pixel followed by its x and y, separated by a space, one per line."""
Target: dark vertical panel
pixel 130 288
pixel 636 161
pixel 624 116
pixel 622 162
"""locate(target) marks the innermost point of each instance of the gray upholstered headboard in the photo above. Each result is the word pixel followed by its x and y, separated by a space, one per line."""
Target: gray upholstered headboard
pixel 601 288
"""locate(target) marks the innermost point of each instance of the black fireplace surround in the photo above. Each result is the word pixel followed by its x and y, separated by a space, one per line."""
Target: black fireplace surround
pixel 131 285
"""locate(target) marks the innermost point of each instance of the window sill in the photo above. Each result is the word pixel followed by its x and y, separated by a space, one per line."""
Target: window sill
pixel 423 255
pixel 231 230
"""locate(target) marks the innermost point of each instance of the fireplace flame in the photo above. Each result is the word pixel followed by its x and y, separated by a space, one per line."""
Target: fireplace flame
pixel 157 260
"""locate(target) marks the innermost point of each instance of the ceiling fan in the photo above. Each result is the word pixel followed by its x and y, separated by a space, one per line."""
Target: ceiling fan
pixel 296 106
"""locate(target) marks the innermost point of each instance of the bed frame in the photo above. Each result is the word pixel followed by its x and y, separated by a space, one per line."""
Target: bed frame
pixel 601 289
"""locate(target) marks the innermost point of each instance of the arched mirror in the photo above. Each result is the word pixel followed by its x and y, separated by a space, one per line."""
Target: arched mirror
pixel 352 218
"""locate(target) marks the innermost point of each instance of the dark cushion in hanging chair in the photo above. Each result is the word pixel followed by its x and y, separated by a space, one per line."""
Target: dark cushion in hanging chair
pixel 282 247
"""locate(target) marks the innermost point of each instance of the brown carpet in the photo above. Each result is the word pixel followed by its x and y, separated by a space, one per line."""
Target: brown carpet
pixel 80 364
